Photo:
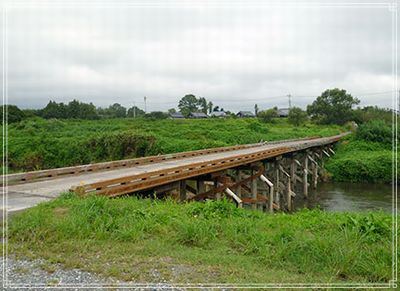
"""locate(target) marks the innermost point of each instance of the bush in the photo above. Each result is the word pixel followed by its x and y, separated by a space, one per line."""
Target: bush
pixel 14 114
pixel 375 131
pixel 268 116
pixel 156 115
pixel 297 116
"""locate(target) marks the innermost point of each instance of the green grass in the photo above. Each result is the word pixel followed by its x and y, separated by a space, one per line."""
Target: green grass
pixel 128 239
pixel 361 161
pixel 39 144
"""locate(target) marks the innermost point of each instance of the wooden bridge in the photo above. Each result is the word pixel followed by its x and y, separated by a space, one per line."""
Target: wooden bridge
pixel 263 176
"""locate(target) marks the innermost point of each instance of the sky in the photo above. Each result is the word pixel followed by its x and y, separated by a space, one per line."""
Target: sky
pixel 233 54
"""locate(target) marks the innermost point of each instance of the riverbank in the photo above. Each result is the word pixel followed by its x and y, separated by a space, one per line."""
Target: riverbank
pixel 361 161
pixel 203 242
pixel 39 144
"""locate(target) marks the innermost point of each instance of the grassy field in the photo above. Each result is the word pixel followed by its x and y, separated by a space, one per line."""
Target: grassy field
pixel 39 144
pixel 361 161
pixel 144 240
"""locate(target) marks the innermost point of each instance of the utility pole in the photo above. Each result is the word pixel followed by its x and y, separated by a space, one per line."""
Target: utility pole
pixel 145 105
pixel 290 101
pixel 134 109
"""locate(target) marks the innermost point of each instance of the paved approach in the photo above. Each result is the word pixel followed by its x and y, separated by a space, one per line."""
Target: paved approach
pixel 30 193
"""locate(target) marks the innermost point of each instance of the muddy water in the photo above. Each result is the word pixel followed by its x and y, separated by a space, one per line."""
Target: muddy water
pixel 348 197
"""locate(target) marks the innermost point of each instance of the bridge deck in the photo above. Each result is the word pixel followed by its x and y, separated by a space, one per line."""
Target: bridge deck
pixel 53 187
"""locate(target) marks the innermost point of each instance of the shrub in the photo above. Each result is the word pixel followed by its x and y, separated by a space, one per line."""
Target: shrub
pixel 375 131
pixel 297 116
pixel 268 116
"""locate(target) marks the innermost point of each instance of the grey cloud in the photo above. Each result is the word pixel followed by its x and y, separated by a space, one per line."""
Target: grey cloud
pixel 237 55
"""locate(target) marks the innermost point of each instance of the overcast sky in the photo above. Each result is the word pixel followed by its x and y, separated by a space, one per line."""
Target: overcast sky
pixel 233 55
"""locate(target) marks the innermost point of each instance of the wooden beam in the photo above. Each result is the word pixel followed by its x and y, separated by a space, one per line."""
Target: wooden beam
pixel 254 190
pixel 271 192
pixel 182 190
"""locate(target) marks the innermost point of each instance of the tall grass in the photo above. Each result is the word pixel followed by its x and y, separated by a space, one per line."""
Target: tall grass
pixel 310 244
pixel 38 144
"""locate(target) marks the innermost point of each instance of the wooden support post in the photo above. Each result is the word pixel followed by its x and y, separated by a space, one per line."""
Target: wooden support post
pixel 218 194
pixel 305 177
pixel 238 178
pixel 288 188
pixel 293 168
pixel 314 168
pixel 182 190
pixel 289 194
pixel 254 191
pixel 234 196
pixel 271 193
pixel 277 187
pixel 201 187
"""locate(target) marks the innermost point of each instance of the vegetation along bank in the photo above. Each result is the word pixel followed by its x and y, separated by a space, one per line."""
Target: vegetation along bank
pixel 133 239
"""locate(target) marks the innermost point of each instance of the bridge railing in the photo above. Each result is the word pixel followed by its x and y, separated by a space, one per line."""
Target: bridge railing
pixel 18 178
pixel 133 183
pixel 41 175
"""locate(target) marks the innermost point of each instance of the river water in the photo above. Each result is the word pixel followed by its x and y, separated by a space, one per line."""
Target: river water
pixel 348 197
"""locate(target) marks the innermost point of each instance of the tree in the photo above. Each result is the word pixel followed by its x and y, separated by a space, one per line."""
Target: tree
pixel 187 104
pixel 54 110
pixel 256 109
pixel 171 110
pixel 297 116
pixel 203 104
pixel 334 106
pixel 135 111
pixel 216 108
pixel 115 111
pixel 14 114
pixel 210 107
pixel 268 115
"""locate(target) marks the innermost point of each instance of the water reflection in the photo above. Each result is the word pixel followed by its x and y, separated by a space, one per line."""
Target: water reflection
pixel 348 197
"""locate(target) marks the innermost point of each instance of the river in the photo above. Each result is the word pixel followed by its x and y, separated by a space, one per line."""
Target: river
pixel 348 197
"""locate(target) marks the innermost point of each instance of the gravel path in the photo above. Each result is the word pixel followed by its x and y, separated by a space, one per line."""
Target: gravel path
pixel 38 275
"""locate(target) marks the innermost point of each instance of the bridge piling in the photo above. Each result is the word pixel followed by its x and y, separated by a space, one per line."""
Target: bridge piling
pixel 305 176
pixel 182 190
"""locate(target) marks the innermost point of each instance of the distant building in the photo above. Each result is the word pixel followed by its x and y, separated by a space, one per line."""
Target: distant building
pixel 283 112
pixel 176 115
pixel 245 114
pixel 198 115
pixel 218 114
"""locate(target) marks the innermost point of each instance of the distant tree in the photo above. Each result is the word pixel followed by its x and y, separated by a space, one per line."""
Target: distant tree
pixel 135 111
pixel 216 108
pixel 256 109
pixel 79 110
pixel 222 109
pixel 54 110
pixel 203 105
pixel 368 113
pixel 187 104
pixel 73 109
pixel 156 115
pixel 171 110
pixel 297 116
pixel 28 113
pixel 116 111
pixel 268 116
pixel 210 107
pixel 14 114
pixel 334 106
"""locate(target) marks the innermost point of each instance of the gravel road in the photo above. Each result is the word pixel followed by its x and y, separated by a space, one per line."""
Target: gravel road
pixel 22 274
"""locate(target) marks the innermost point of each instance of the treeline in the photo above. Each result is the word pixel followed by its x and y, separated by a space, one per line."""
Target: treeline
pixel 72 110
pixel 333 106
